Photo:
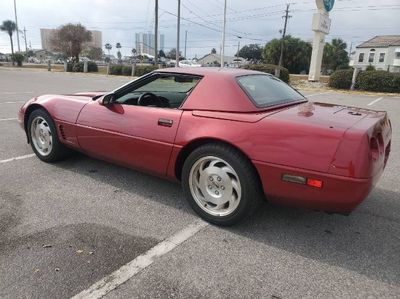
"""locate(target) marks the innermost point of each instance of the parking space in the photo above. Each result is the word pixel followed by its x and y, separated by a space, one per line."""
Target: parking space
pixel 65 226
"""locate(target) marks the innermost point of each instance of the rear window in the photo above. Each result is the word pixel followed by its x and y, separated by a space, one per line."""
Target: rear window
pixel 265 90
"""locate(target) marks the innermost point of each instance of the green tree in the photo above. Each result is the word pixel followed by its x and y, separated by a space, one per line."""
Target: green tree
pixel 95 53
pixel 213 51
pixel 172 54
pixel 9 27
pixel 335 55
pixel 296 54
pixel 251 52
pixel 69 39
pixel 161 53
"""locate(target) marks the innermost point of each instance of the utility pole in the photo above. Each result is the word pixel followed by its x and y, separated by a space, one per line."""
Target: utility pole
pixel 156 34
pixel 26 45
pixel 185 43
pixel 223 37
pixel 237 54
pixel 16 23
pixel 286 16
pixel 178 31
pixel 351 48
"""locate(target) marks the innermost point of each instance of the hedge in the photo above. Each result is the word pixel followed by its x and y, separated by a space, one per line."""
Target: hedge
pixel 341 79
pixel 77 67
pixel 125 70
pixel 270 69
pixel 382 81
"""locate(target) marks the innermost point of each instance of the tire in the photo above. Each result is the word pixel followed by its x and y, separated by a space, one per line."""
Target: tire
pixel 220 184
pixel 42 134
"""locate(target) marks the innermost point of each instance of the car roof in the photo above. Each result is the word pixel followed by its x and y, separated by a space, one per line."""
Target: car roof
pixel 214 71
pixel 218 89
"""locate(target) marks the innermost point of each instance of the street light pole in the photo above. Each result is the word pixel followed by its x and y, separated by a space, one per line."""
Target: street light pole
pixel 178 33
pixel 156 35
pixel 223 37
pixel 16 23
pixel 185 44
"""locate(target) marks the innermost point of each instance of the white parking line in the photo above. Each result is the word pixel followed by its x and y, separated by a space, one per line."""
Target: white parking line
pixel 316 94
pixel 375 101
pixel 7 119
pixel 15 92
pixel 15 102
pixel 127 271
pixel 17 158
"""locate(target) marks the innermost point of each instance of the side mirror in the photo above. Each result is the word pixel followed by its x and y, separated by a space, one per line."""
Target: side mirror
pixel 107 100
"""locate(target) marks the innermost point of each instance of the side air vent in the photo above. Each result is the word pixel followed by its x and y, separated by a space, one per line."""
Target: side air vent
pixel 61 128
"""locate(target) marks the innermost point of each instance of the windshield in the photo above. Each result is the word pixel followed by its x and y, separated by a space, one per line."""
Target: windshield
pixel 266 90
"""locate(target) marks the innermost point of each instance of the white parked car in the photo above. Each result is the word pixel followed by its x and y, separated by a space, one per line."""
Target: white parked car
pixel 188 63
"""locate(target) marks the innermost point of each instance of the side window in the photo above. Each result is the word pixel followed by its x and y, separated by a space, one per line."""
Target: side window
pixel 381 57
pixel 161 90
pixel 361 57
pixel 371 57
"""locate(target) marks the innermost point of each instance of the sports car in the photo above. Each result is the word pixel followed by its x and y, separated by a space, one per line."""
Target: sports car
pixel 231 137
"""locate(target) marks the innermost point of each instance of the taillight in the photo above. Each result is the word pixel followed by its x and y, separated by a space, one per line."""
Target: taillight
pixel 374 147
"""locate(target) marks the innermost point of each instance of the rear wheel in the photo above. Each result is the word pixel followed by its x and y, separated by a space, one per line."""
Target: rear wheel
pixel 220 184
pixel 43 137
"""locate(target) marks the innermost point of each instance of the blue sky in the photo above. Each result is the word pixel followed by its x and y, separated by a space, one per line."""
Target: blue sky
pixel 256 21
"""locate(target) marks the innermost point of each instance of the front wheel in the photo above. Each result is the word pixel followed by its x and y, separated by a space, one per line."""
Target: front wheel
pixel 220 184
pixel 43 137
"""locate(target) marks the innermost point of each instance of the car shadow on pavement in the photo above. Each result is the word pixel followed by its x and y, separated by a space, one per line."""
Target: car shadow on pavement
pixel 367 241
pixel 127 180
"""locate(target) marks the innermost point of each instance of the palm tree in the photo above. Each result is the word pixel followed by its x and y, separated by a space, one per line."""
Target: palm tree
pixel 108 47
pixel 9 27
pixel 118 46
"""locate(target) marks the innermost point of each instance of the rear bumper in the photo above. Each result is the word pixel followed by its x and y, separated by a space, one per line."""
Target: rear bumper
pixel 338 194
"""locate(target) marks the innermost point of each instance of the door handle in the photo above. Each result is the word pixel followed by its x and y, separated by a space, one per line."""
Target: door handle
pixel 165 122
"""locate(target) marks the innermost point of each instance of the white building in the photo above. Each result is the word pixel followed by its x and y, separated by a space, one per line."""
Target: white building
pixel 382 52
pixel 145 43
pixel 215 59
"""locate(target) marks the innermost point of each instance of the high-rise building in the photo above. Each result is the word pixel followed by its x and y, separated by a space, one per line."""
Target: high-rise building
pixel 47 35
pixel 145 42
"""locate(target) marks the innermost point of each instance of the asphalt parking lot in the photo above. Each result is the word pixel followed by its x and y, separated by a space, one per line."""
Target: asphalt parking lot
pixel 65 226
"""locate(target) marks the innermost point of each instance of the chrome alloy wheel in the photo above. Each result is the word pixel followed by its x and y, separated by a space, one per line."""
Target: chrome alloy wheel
pixel 41 136
pixel 215 186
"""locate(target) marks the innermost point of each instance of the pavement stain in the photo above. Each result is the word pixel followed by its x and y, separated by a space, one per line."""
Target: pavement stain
pixel 58 270
pixel 10 204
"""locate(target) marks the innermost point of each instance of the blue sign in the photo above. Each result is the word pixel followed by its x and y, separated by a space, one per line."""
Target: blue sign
pixel 329 4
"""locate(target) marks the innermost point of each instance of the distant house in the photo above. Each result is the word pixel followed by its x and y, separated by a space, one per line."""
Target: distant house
pixel 42 54
pixel 382 52
pixel 3 57
pixel 215 60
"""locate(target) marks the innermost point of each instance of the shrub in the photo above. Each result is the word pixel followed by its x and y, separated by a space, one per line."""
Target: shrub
pixel 370 68
pixel 378 81
pixel 126 70
pixel 18 58
pixel 77 67
pixel 116 69
pixel 270 69
pixel 341 79
pixel 92 67
pixel 141 70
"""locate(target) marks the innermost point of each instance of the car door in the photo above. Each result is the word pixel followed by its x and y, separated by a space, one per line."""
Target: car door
pixel 135 136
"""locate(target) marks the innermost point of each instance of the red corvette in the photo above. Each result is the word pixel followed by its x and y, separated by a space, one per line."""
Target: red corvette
pixel 230 136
